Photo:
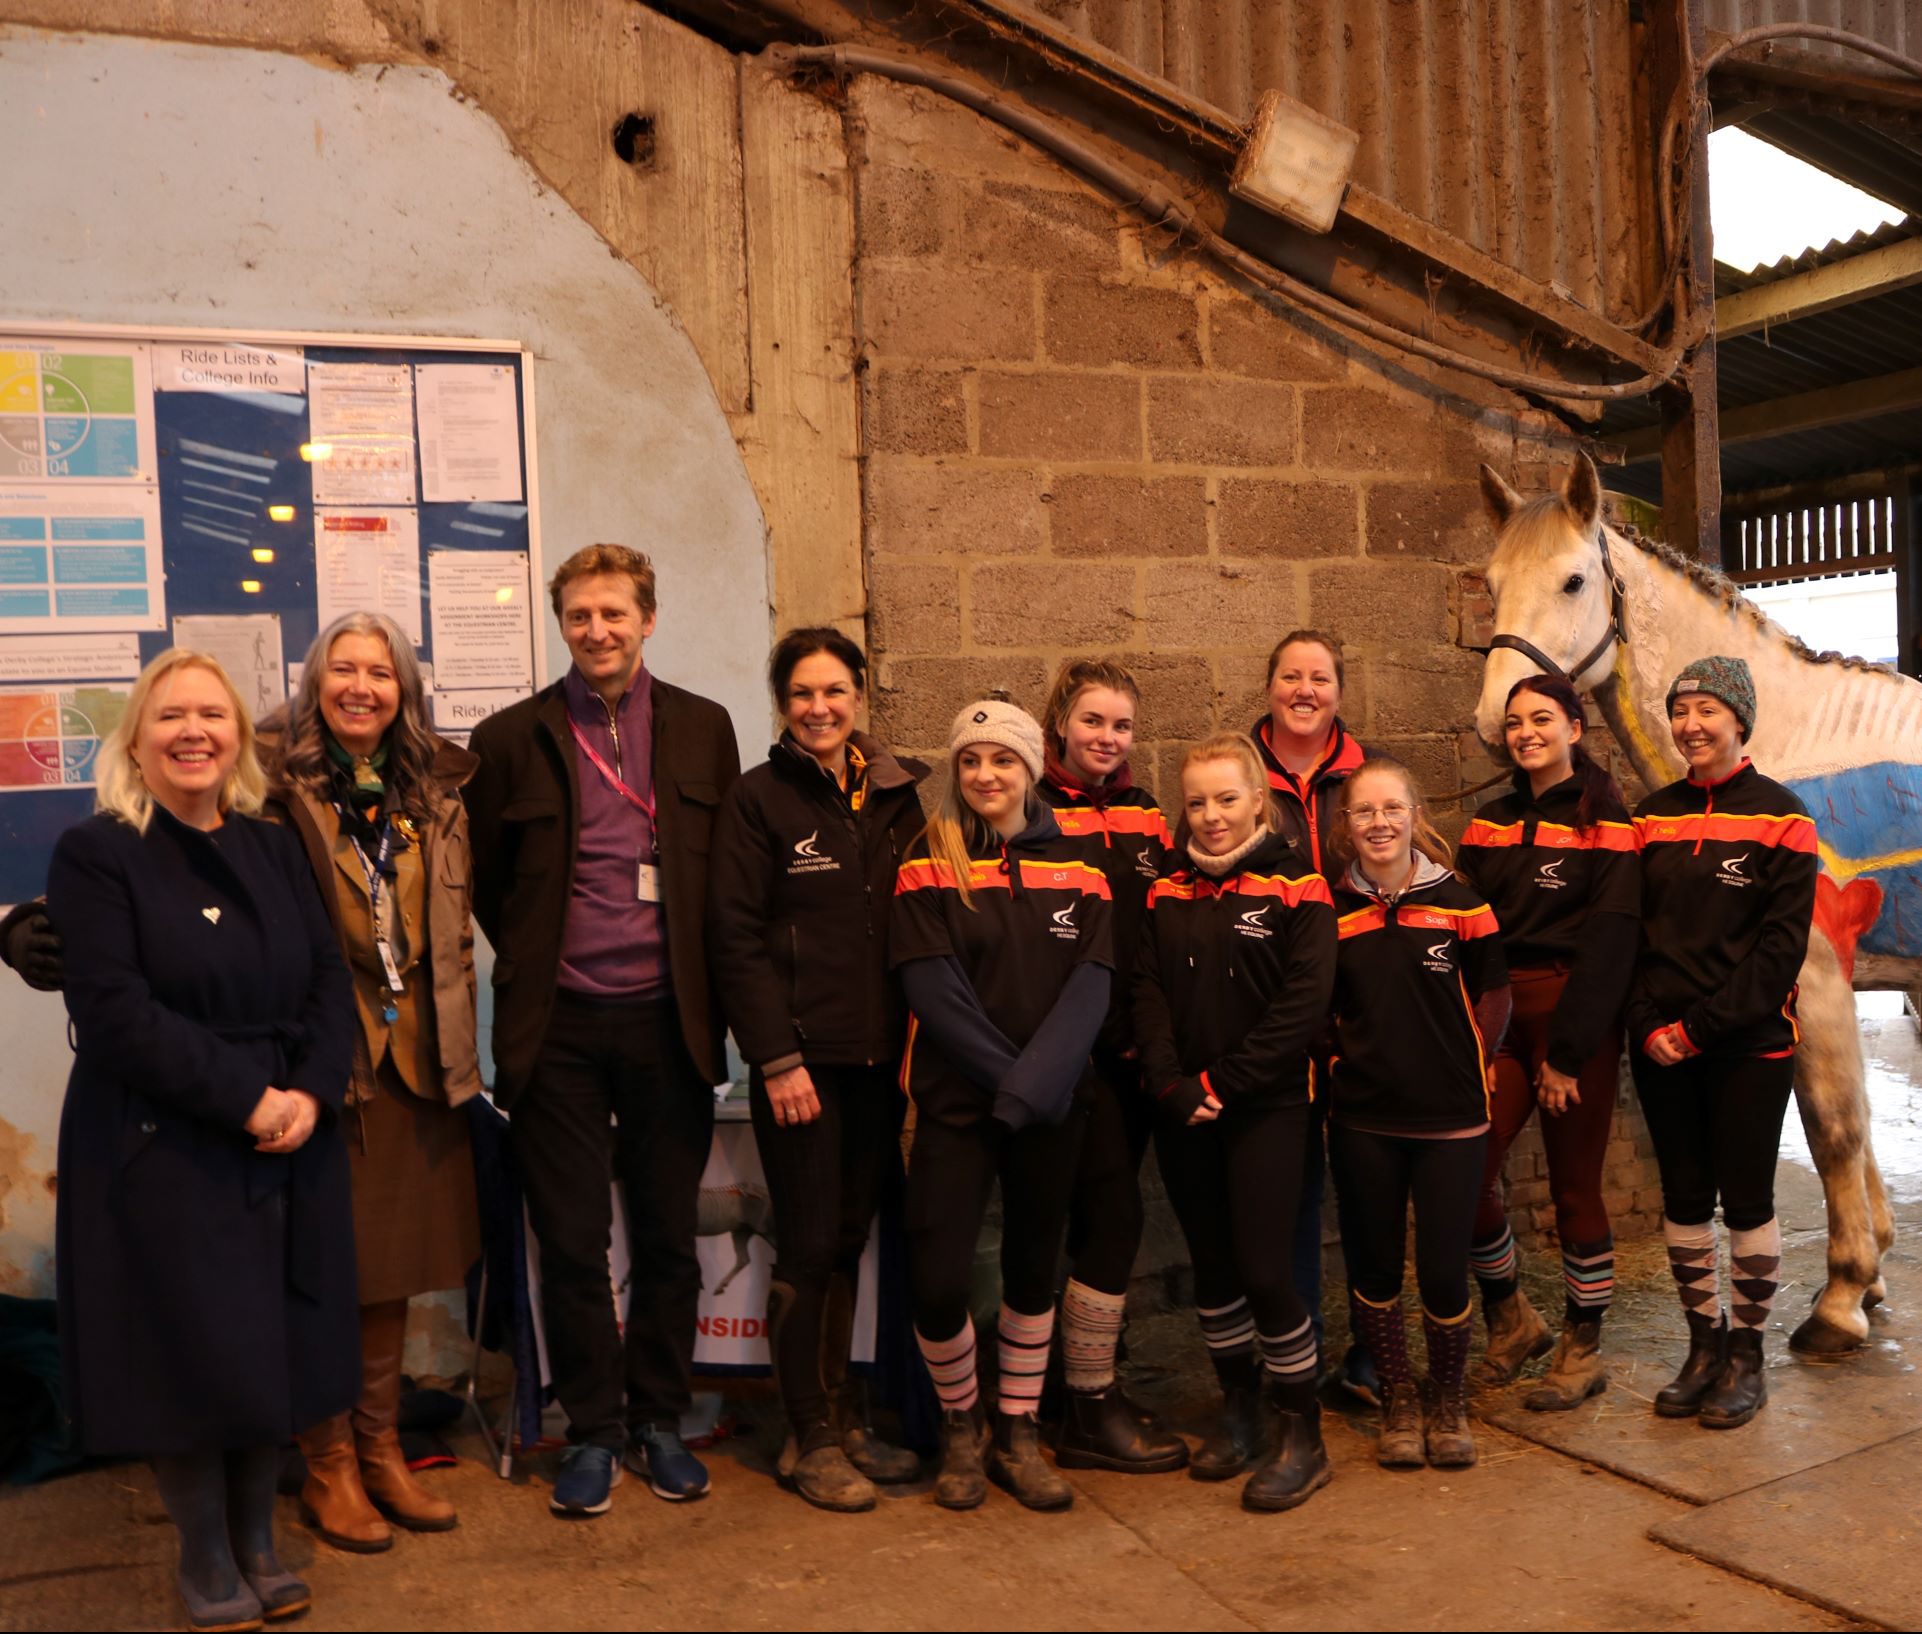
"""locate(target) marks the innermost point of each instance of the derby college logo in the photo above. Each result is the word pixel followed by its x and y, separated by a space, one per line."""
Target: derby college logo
pixel 1730 873
pixel 1252 923
pixel 1144 864
pixel 1549 875
pixel 807 858
pixel 1061 923
pixel 1441 957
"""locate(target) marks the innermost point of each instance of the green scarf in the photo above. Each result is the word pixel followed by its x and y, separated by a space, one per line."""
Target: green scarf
pixel 363 771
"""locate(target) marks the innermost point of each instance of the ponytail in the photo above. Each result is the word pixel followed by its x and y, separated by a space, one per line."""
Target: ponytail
pixel 1599 789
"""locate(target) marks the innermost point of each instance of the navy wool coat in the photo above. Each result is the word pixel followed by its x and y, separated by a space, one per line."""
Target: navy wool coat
pixel 207 1294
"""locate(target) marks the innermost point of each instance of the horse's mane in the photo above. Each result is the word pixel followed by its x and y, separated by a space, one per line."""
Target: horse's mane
pixel 1542 523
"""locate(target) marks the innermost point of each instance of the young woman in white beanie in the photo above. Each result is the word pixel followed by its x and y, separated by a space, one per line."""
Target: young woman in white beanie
pixel 1002 937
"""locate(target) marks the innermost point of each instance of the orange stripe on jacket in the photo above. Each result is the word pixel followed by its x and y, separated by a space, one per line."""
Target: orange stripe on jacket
pixel 1361 921
pixel 1792 832
pixel 1079 821
pixel 1603 836
pixel 1064 876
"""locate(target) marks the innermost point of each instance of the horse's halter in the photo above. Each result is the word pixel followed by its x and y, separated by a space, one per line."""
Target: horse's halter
pixel 1614 633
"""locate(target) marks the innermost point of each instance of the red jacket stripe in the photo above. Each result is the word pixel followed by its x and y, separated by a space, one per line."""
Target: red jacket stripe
pixel 1792 832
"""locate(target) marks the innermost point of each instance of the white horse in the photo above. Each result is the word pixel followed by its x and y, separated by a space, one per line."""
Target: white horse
pixel 1619 616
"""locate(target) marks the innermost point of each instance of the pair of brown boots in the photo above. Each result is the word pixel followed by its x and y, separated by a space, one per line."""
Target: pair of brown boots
pixel 357 1476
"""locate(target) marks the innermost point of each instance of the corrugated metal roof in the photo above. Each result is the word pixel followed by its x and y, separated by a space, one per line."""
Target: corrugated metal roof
pixel 1894 23
pixel 1728 281
pixel 1513 124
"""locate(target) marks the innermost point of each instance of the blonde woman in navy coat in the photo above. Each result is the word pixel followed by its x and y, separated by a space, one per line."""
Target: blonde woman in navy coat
pixel 207 1303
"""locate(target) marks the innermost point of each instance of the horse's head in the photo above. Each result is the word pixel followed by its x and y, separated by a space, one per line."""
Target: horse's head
pixel 1554 586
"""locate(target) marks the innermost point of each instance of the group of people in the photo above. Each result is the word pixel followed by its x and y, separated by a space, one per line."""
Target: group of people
pixel 264 938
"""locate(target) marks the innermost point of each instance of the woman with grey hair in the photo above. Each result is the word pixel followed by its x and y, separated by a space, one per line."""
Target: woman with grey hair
pixel 354 769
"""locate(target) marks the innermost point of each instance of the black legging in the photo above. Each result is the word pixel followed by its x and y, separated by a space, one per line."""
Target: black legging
pixel 950 1174
pixel 1235 1185
pixel 1380 1175
pixel 1105 1218
pixel 1717 1127
pixel 825 1181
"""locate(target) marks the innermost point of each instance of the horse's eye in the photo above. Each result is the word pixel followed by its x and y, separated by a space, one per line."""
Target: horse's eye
pixel 1574 585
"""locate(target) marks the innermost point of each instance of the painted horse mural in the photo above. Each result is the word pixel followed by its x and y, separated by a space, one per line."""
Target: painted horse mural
pixel 1619 615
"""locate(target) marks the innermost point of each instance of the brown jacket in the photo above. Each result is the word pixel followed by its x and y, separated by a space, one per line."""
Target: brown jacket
pixel 525 805
pixel 450 926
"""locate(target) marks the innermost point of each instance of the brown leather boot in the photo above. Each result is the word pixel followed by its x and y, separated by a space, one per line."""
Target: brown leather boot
pixel 383 1468
pixel 332 1501
pixel 1516 1336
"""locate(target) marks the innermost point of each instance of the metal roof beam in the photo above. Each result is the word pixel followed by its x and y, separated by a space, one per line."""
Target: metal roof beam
pixel 1822 289
pixel 1805 411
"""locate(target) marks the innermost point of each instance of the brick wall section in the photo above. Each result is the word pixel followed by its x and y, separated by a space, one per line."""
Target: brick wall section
pixel 1074 442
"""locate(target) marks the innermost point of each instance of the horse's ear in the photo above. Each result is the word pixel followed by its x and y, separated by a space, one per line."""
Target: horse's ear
pixel 1502 500
pixel 1582 492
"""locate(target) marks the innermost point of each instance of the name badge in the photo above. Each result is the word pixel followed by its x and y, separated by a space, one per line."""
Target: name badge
pixel 390 966
pixel 648 882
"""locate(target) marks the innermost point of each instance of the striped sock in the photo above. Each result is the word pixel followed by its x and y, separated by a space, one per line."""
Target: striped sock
pixel 951 1366
pixel 1754 1273
pixel 1448 1342
pixel 1229 1333
pixel 1588 1278
pixel 1493 1261
pixel 1384 1330
pixel 1692 1261
pixel 1023 1352
pixel 1090 1331
pixel 1288 1363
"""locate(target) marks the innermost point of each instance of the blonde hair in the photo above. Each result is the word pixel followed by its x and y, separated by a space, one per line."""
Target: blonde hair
pixel 956 829
pixel 1423 835
pixel 1239 748
pixel 119 787
pixel 1074 677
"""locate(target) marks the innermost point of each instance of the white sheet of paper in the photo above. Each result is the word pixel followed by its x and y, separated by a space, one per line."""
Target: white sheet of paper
pixel 219 367
pixel 367 559
pixel 458 713
pixel 80 556
pixel 481 619
pixel 69 657
pixel 362 416
pixel 248 647
pixel 470 440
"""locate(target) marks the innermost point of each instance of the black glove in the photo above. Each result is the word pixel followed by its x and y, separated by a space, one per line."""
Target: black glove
pixel 33 949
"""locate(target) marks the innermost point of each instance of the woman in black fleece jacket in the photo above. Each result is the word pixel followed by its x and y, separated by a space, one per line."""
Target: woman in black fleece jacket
pixel 799 884
pixel 1237 965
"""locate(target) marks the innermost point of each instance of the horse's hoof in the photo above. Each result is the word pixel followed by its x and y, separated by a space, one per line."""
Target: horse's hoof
pixel 1873 1296
pixel 1821 1340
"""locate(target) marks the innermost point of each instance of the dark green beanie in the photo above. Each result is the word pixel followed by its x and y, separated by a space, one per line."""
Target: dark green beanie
pixel 1720 677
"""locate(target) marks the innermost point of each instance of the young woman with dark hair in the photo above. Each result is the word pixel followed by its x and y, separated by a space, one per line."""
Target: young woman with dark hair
pixel 1558 862
pixel 1003 939
pixel 1728 891
pixel 1421 998
pixel 1237 965
pixel 1090 727
pixel 804 862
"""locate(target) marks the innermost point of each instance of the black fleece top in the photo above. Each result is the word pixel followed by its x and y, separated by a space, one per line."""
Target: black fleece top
pixel 1409 973
pixel 1728 893
pixel 1234 981
pixel 1008 990
pixel 1120 831
pixel 799 887
pixel 1566 897
pixel 1308 803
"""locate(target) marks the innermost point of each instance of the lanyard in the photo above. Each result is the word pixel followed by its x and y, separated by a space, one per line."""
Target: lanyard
pixel 638 801
pixel 376 870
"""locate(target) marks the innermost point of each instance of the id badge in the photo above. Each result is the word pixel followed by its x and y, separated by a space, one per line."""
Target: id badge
pixel 388 965
pixel 648 882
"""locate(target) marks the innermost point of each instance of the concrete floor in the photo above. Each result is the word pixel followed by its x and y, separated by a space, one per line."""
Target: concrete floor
pixel 1622 1522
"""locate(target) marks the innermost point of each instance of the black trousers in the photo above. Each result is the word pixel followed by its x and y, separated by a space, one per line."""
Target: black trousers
pixel 1105 1216
pixel 825 1179
pixel 1235 1185
pixel 950 1175
pixel 1717 1127
pixel 1379 1176
pixel 626 1061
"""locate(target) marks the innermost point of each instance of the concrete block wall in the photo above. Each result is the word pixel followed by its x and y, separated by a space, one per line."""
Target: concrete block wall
pixel 1076 441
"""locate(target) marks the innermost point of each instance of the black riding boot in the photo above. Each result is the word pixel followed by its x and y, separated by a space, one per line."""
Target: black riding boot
pixel 1102 1430
pixel 1741 1387
pixel 847 1395
pixel 253 1477
pixel 1297 1465
pixel 1236 1440
pixel 193 1486
pixel 1682 1396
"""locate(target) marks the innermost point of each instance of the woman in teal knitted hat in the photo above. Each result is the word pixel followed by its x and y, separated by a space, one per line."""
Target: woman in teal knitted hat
pixel 1728 888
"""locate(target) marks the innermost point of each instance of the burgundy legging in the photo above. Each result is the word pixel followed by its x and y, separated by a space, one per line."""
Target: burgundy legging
pixel 1576 1141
